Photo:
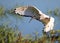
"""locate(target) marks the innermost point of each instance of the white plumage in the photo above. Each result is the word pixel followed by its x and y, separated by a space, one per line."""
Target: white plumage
pixel 33 12
pixel 49 25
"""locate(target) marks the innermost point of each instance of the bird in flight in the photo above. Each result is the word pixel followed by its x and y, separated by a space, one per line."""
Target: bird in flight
pixel 35 13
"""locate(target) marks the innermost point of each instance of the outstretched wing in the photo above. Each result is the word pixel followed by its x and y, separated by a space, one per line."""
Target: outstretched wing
pixel 29 11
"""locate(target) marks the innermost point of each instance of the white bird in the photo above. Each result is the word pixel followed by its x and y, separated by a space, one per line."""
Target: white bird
pixel 33 12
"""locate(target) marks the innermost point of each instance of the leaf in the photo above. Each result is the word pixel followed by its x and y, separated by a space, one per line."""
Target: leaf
pixel 56 12
pixel 49 11
pixel 2 11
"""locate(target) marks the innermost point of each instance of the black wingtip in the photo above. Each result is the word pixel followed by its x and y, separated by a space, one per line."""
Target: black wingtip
pixel 14 9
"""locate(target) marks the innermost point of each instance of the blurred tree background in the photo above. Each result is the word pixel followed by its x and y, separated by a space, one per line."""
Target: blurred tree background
pixel 12 35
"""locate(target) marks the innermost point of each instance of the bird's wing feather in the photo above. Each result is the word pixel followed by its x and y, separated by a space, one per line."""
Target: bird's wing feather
pixel 27 11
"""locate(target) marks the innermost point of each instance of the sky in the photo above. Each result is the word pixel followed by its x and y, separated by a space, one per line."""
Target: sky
pixel 24 26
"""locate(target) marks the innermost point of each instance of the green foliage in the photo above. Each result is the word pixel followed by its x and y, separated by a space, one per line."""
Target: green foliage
pixel 43 39
pixel 56 12
pixel 7 35
pixel 49 11
pixel 2 10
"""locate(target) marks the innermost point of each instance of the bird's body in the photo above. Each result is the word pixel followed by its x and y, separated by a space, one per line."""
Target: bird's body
pixel 49 26
pixel 33 12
